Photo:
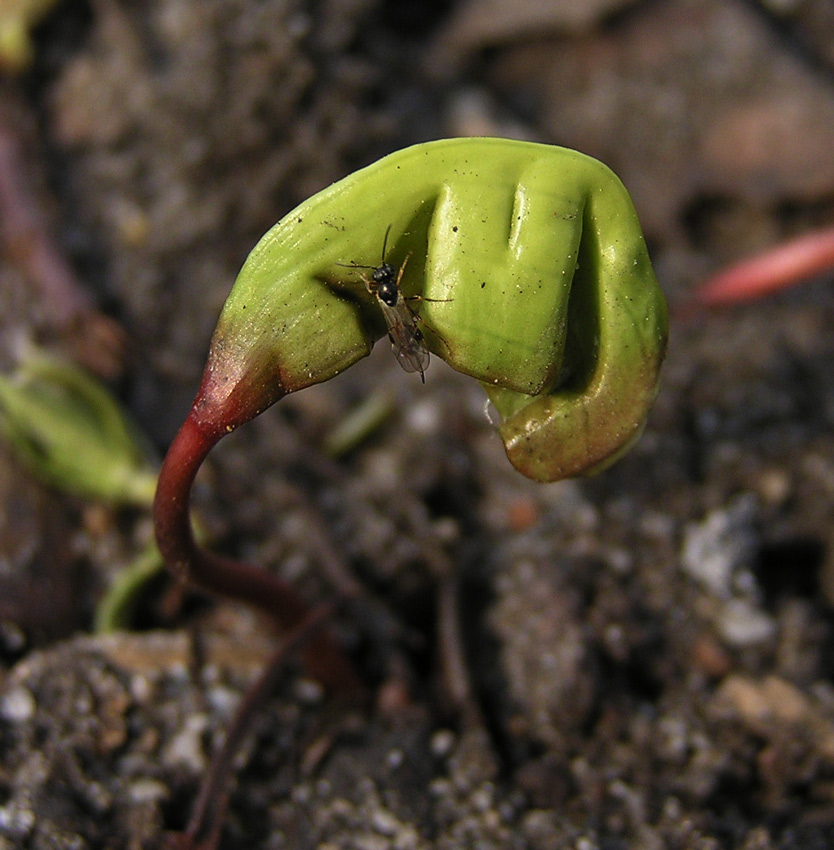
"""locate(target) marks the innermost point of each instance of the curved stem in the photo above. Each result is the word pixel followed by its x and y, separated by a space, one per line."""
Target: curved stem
pixel 226 576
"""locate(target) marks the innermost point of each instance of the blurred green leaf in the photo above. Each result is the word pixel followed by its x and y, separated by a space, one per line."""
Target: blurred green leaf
pixel 17 18
pixel 68 429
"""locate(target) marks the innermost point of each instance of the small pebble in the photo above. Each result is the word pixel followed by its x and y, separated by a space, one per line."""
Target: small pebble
pixel 18 705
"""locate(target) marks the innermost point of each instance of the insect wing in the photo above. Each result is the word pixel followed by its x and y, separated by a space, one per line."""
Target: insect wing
pixel 405 337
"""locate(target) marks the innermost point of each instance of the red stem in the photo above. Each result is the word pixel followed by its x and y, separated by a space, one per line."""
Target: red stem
pixel 225 576
pixel 770 271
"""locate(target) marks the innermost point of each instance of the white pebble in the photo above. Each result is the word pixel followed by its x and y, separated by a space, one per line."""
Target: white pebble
pixel 18 705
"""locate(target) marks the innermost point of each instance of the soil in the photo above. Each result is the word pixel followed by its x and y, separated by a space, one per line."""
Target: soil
pixel 647 651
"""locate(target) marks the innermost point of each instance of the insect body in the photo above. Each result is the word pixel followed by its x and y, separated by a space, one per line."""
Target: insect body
pixel 403 323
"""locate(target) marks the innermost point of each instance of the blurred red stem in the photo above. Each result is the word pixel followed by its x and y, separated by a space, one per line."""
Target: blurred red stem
pixel 776 269
pixel 26 240
pixel 65 307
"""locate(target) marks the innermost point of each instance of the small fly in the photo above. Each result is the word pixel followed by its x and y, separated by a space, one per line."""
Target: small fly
pixel 403 323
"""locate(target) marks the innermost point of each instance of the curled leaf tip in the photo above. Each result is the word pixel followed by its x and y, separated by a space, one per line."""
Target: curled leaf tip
pixel 522 265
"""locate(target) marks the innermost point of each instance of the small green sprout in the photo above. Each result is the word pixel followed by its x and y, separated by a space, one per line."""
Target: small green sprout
pixel 70 432
pixel 360 423
pixel 115 610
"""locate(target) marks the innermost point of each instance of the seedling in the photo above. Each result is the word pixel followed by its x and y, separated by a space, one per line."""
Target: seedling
pixel 535 274
pixel 70 432
pixel 531 269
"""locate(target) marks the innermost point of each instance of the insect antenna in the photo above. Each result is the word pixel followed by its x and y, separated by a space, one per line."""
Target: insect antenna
pixel 382 259
pixel 354 266
pixel 385 244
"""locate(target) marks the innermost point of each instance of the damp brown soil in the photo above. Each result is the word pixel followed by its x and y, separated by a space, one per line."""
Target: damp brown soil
pixel 647 652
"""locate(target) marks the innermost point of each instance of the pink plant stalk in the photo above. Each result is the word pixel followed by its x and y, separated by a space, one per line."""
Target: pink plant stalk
pixel 771 271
